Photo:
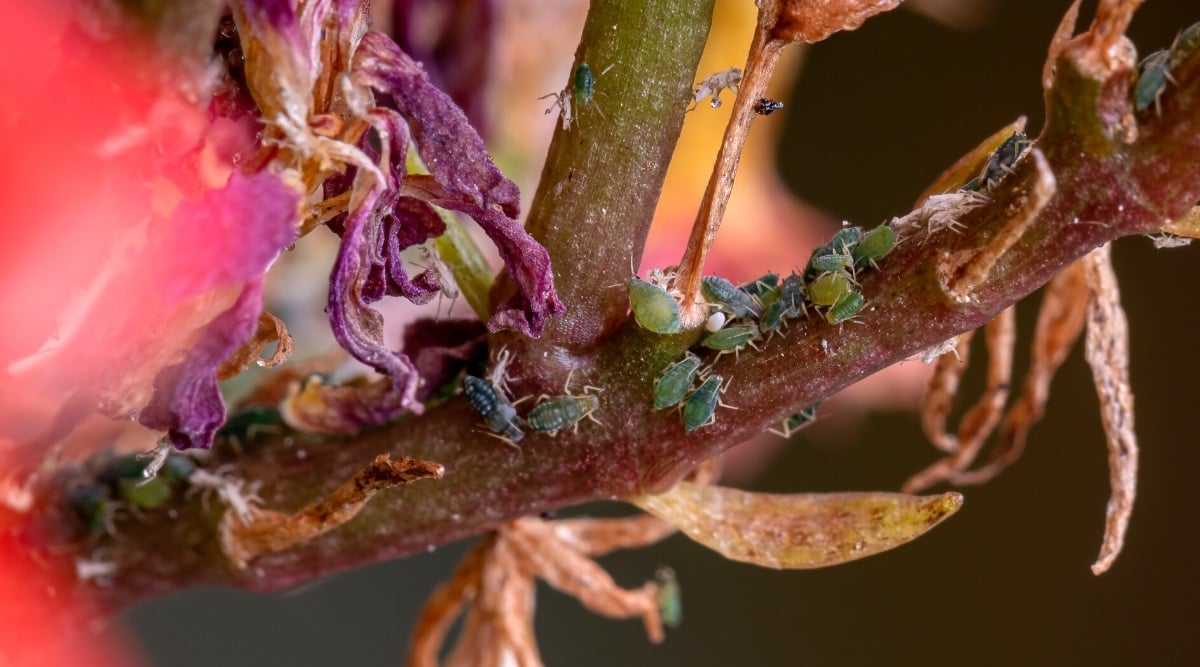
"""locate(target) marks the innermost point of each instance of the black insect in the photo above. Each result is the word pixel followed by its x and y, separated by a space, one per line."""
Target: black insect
pixel 766 107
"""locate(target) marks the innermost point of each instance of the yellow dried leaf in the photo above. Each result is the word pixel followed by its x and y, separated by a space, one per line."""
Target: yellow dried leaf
pixel 798 531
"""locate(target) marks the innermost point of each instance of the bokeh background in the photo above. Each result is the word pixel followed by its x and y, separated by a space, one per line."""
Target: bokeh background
pixel 874 115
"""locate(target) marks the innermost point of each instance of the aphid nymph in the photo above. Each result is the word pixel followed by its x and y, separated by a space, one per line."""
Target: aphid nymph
pixel 732 339
pixel 873 245
pixel 729 297
pixel 673 385
pixel 499 415
pixel 556 413
pixel 700 408
pixel 827 288
pixel 653 307
pixel 846 307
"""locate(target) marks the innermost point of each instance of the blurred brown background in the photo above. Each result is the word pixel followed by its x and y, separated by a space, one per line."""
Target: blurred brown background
pixel 876 115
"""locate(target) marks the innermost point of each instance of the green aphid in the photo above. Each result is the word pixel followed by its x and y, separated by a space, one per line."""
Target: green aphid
pixel 699 408
pixel 1153 74
pixel 773 315
pixel 731 339
pixel 1000 163
pixel 841 244
pixel 827 288
pixel 844 239
pixel 798 420
pixel 670 598
pixel 785 303
pixel 673 385
pixel 585 84
pixel 247 425
pixel 761 286
pixel 556 413
pixel 874 245
pixel 92 505
pixel 846 307
pixel 837 261
pixel 653 308
pixel 729 297
pixel 145 494
pixel 1185 44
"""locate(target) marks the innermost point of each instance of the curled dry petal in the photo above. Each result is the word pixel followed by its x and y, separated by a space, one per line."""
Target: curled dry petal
pixel 798 531
pixel 442 348
pixel 187 402
pixel 268 531
pixel 270 329
pixel 469 182
pixel 1107 352
pixel 1060 321
pixel 811 21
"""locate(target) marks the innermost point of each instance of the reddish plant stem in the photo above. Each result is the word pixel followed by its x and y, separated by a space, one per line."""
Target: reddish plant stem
pixel 1107 189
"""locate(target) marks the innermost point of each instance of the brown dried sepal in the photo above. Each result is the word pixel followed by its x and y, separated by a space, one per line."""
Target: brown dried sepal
pixel 271 329
pixel 267 531
pixel 811 21
pixel 1062 36
pixel 797 531
pixel 1188 226
pixel 979 422
pixel 963 272
pixel 1107 350
pixel 1060 321
pixel 497 580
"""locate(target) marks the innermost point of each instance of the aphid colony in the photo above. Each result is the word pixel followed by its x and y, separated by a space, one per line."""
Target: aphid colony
pixel 550 415
pixel 740 315
pixel 119 481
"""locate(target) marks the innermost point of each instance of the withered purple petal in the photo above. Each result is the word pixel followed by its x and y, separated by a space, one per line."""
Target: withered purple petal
pixel 231 236
pixel 470 182
pixel 357 280
pixel 187 401
pixel 442 348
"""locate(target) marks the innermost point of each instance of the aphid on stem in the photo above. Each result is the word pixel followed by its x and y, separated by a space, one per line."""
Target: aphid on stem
pixel 797 421
pixel 846 307
pixel 499 415
pixel 732 339
pixel 673 385
pixel 700 408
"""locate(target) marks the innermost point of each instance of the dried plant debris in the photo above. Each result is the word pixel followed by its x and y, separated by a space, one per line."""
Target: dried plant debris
pixel 797 531
pixel 979 422
pixel 1059 324
pixel 1107 351
pixel 811 21
pixel 263 531
pixel 495 582
pixel 270 330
